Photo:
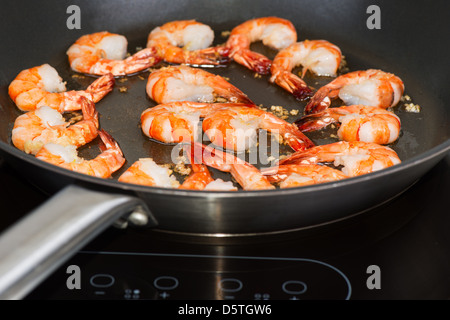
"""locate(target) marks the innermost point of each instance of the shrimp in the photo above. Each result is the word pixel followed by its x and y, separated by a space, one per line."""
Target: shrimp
pixel 356 157
pixel 146 172
pixel 187 42
pixel 371 87
pixel 235 128
pixel 358 123
pixel 44 125
pixel 248 176
pixel 42 85
pixel 103 166
pixel 183 83
pixel 296 175
pixel 318 56
pixel 104 52
pixel 272 31
pixel 201 179
pixel 228 125
pixel 177 121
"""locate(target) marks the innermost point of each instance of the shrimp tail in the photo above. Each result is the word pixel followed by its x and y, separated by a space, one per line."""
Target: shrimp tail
pixel 108 142
pixel 298 141
pixel 89 111
pixel 315 121
pixel 101 87
pixel 142 60
pixel 216 56
pixel 294 85
pixel 253 61
pixel 246 100
pixel 319 102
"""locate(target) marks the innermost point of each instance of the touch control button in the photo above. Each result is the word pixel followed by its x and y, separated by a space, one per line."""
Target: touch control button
pixel 230 285
pixel 294 287
pixel 102 280
pixel 165 283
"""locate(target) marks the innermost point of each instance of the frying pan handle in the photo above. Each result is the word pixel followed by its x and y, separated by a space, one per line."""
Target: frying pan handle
pixel 47 237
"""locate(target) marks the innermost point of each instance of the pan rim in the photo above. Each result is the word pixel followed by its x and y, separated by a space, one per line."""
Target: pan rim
pixel 435 152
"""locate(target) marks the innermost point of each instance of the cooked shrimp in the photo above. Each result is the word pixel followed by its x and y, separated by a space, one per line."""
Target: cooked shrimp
pixel 103 52
pixel 248 176
pixel 183 83
pixel 370 87
pixel 235 128
pixel 201 179
pixel 318 56
pixel 177 121
pixel 272 31
pixel 42 86
pixel 356 157
pixel 103 166
pixel 358 123
pixel 45 125
pixel 146 172
pixel 296 175
pixel 228 125
pixel 187 42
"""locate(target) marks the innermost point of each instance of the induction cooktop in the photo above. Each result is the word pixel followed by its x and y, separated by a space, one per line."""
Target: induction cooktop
pixel 399 250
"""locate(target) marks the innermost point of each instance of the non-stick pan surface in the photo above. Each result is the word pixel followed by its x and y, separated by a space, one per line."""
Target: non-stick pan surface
pixel 35 32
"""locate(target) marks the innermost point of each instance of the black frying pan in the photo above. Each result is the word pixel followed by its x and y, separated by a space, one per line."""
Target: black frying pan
pixel 411 44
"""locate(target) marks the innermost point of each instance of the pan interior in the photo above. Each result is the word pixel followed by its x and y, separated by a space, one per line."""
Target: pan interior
pixel 120 110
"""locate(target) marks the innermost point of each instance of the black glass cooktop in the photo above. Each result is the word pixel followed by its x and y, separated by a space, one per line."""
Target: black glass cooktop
pixel 400 250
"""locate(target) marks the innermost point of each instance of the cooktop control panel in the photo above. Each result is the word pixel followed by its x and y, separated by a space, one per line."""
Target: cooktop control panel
pixel 115 275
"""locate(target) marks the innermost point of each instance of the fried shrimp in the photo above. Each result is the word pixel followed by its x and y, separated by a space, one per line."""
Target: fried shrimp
pixel 187 42
pixel 235 127
pixel 357 123
pixel 104 52
pixel 200 179
pixel 183 83
pixel 45 125
pixel 371 87
pixel 177 121
pixel 297 175
pixel 146 172
pixel 318 56
pixel 274 32
pixel 228 125
pixel 356 157
pixel 42 86
pixel 103 166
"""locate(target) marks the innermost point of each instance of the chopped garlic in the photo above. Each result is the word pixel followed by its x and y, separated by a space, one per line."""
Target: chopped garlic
pixel 411 107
